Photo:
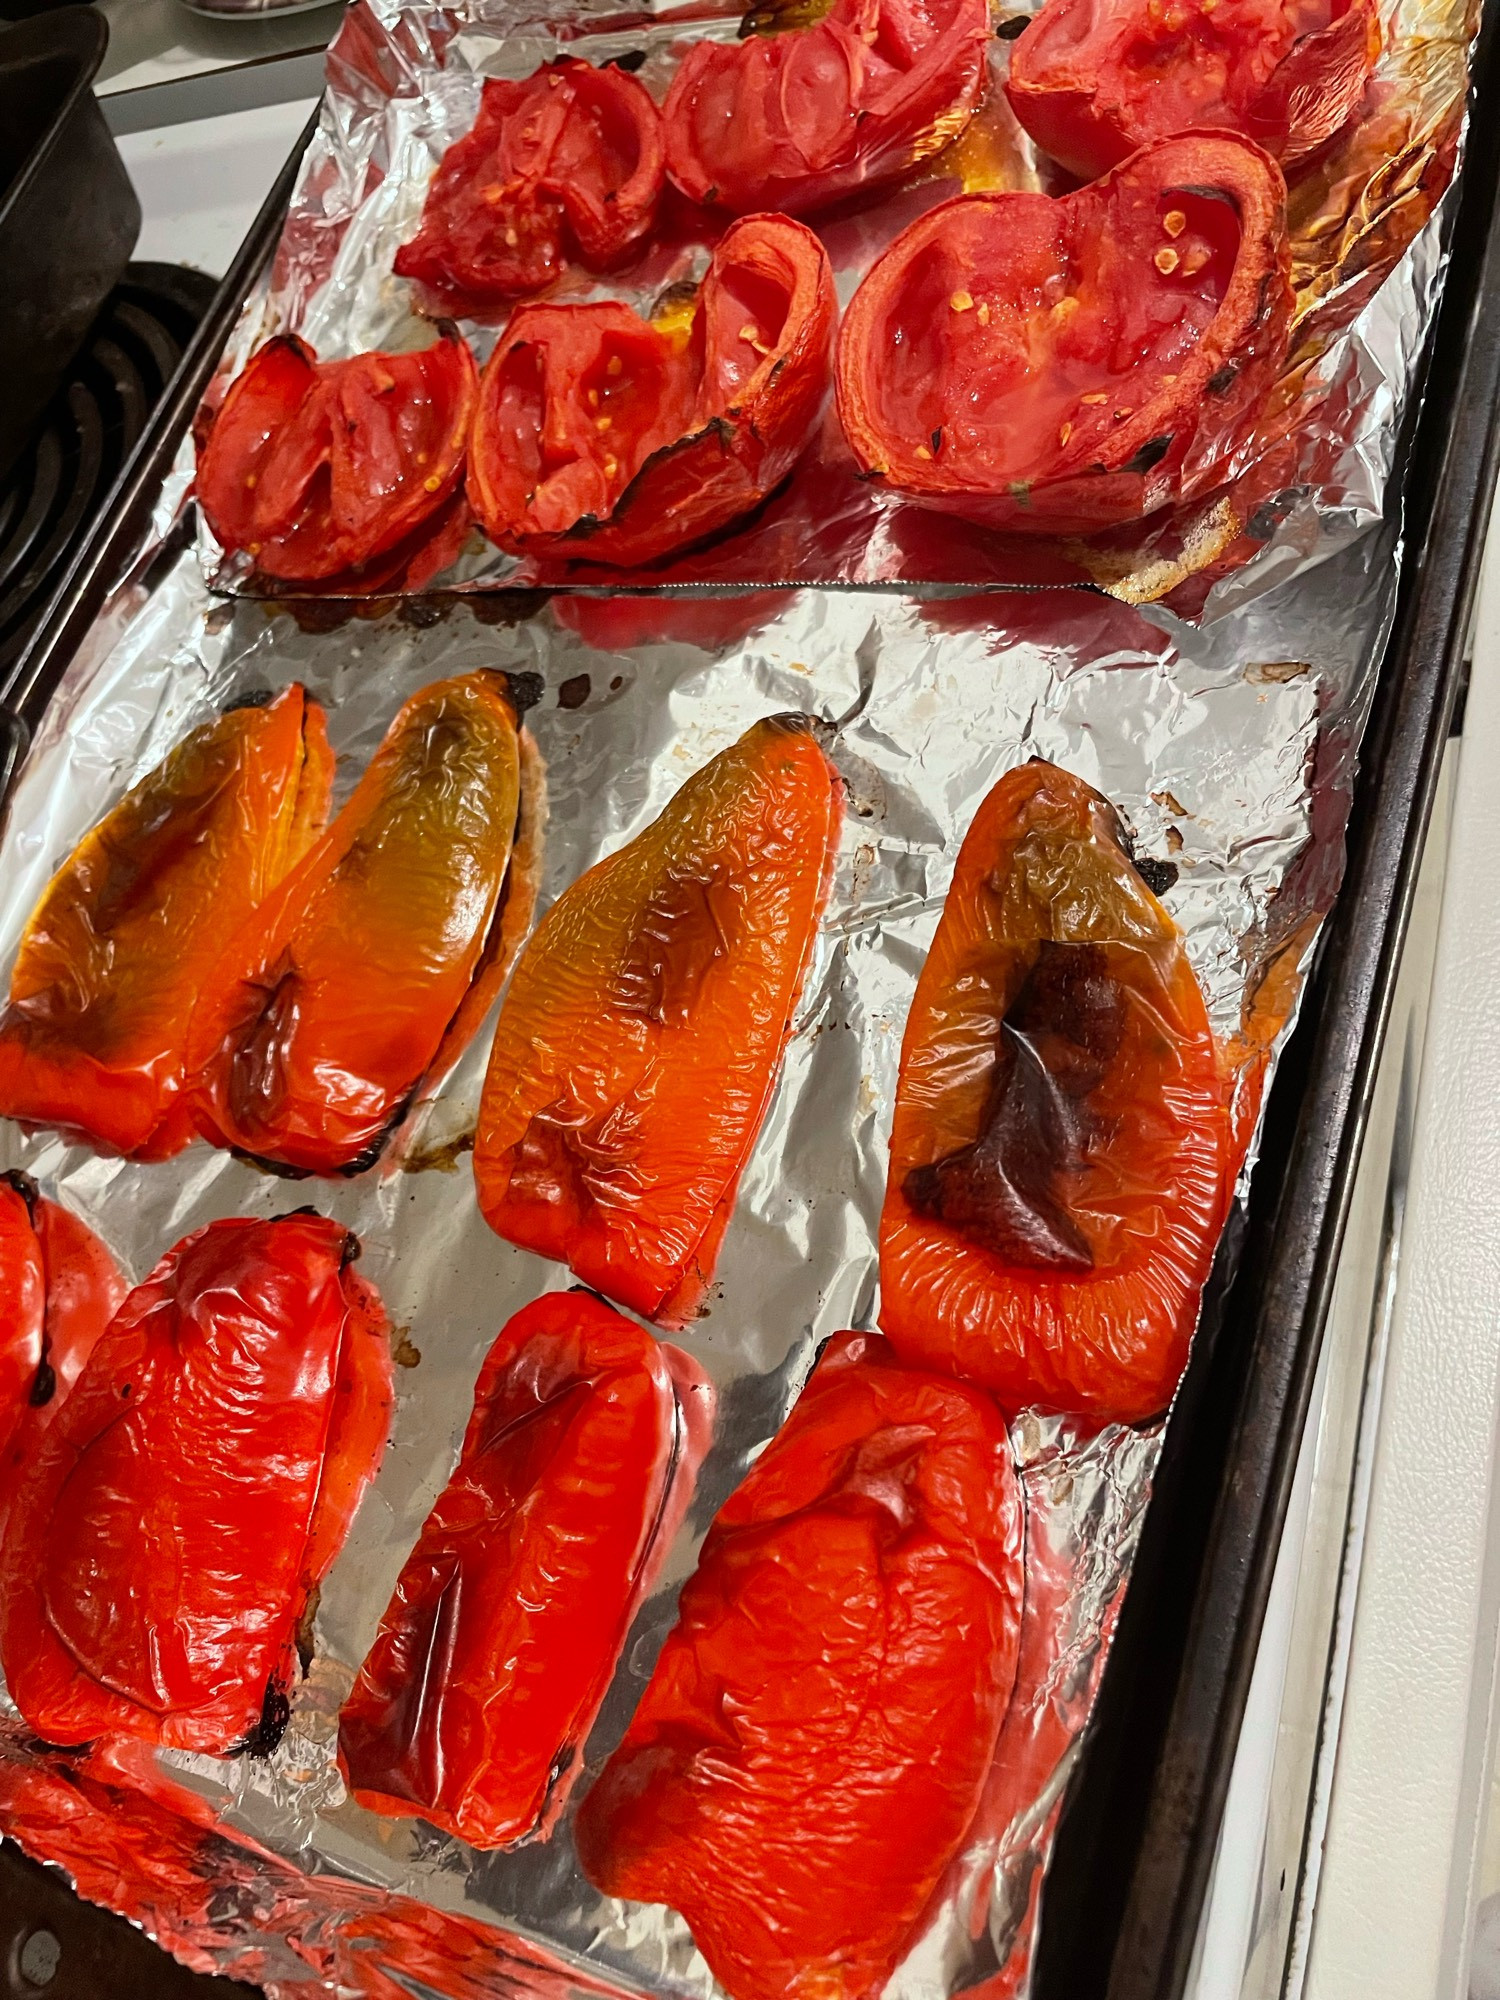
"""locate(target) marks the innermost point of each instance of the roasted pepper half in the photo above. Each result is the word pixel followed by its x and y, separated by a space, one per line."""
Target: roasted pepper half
pixel 495 1652
pixel 1059 1151
pixel 194 1490
pixel 639 1041
pixel 816 1737
pixel 131 926
pixel 376 959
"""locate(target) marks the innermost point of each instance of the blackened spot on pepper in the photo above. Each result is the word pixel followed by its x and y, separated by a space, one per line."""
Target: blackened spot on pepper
pixel 1158 876
pixel 1152 452
pixel 43 1385
pixel 1220 383
pixel 937 440
pixel 253 698
pixel 25 1187
pixel 1012 26
pixel 275 1714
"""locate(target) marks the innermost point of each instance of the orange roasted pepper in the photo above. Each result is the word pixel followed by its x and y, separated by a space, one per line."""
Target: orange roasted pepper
pixel 371 966
pixel 640 1039
pixel 1060 1147
pixel 124 940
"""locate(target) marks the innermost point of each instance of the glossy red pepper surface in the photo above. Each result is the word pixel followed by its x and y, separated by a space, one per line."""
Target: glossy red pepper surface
pixel 495 1652
pixel 302 1059
pixel 346 471
pixel 640 1038
pixel 817 1734
pixel 1063 365
pixel 123 942
pixel 807 117
pixel 193 1491
pixel 568 163
pixel 1093 79
pixel 606 438
pixel 1059 1150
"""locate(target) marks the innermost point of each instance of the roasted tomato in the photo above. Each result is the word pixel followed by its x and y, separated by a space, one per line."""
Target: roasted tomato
pixel 820 1725
pixel 639 1042
pixel 1093 79
pixel 1059 1151
pixel 803 118
pixel 567 164
pixel 499 1643
pixel 601 436
pixel 59 1289
pixel 340 470
pixel 194 1490
pixel 1064 365
pixel 378 956
pixel 126 936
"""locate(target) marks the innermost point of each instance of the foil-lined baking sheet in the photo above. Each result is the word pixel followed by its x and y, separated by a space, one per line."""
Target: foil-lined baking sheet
pixel 1230 750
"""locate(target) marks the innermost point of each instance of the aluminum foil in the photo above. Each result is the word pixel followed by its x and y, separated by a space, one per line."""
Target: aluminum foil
pixel 404 78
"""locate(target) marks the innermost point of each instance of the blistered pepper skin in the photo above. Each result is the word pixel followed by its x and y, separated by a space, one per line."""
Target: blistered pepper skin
pixel 1060 1147
pixel 497 1647
pixel 373 962
pixel 193 1491
pixel 127 934
pixel 639 1042
pixel 817 1734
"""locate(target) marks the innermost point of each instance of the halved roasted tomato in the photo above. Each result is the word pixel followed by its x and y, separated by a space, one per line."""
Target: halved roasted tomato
pixel 1091 80
pixel 639 1041
pixel 1062 365
pixel 799 119
pixel 122 944
pixel 567 163
pixel 325 471
pixel 373 963
pixel 473 1704
pixel 194 1490
pixel 604 437
pixel 1060 1146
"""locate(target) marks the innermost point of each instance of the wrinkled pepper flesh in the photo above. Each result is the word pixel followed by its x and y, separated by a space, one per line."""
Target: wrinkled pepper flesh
pixel 497 1647
pixel 375 960
pixel 129 930
pixel 1060 1145
pixel 194 1490
pixel 640 1040
pixel 816 1737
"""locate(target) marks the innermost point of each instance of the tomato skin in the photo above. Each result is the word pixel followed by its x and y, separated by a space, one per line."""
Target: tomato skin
pixel 567 163
pixel 194 1489
pixel 1062 365
pixel 639 1041
pixel 319 470
pixel 497 1647
pixel 1091 83
pixel 816 1737
pixel 127 933
pixel 1058 1176
pixel 799 120
pixel 298 1060
pixel 601 438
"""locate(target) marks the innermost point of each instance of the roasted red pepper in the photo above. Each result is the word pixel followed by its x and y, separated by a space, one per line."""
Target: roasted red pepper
pixel 817 1734
pixel 1062 365
pixel 639 1042
pixel 1091 80
pixel 496 1650
pixel 194 1490
pixel 801 119
pixel 377 957
pixel 568 163
pixel 601 436
pixel 1059 1152
pixel 130 928
pixel 341 471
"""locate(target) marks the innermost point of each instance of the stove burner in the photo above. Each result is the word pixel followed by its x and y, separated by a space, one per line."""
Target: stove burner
pixel 90 427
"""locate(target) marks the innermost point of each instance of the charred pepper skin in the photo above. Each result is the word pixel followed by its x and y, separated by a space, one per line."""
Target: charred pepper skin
pixel 816 1737
pixel 1060 1152
pixel 640 1039
pixel 194 1490
pixel 125 938
pixel 302 1059
pixel 509 1615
